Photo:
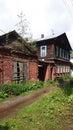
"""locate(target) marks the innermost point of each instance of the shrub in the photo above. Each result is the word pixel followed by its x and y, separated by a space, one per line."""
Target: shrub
pixel 33 85
pixel 4 126
pixel 17 89
pixel 70 98
pixel 60 80
pixel 68 87
pixel 3 95
pixel 12 89
pixel 71 81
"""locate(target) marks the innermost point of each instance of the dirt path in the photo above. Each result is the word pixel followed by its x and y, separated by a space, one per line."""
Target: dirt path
pixel 10 108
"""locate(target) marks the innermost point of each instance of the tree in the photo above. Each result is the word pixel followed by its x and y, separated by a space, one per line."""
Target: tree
pixel 23 27
pixel 24 31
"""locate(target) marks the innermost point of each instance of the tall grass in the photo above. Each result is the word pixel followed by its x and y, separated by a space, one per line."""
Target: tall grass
pixel 66 83
pixel 17 89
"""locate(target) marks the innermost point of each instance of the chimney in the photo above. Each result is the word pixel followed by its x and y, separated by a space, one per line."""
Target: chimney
pixel 42 35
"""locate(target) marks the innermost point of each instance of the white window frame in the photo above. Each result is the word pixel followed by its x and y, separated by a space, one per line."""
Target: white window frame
pixel 43 53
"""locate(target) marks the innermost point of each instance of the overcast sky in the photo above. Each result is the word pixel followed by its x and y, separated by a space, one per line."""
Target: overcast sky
pixel 45 16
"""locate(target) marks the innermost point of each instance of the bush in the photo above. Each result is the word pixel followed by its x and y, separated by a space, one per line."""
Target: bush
pixel 71 81
pixel 68 87
pixel 4 126
pixel 3 95
pixel 17 89
pixel 60 80
pixel 70 98
pixel 12 89
pixel 33 85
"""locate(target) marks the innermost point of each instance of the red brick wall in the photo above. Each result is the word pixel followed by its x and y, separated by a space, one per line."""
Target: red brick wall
pixel 47 75
pixel 6 68
pixel 7 72
pixel 54 73
pixel 33 71
pixel 50 73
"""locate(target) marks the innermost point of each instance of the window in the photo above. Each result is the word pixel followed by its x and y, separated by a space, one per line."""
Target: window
pixel 60 52
pixel 43 51
pixel 63 53
pixel 19 71
pixel 67 55
pixel 57 51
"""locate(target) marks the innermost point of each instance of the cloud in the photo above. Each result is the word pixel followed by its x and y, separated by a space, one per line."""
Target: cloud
pixel 43 15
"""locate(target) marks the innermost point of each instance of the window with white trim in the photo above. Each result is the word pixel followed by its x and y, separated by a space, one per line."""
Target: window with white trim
pixel 43 51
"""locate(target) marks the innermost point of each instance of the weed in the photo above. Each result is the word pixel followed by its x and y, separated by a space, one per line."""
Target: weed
pixel 17 89
pixel 51 112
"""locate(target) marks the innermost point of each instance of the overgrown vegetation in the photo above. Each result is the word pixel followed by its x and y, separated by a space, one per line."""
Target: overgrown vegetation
pixel 15 89
pixel 66 84
pixel 54 111
pixel 4 126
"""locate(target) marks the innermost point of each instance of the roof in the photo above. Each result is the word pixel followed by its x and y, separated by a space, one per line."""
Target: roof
pixel 12 33
pixel 58 39
pixel 7 40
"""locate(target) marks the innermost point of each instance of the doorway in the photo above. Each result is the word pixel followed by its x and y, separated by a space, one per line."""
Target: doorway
pixel 42 72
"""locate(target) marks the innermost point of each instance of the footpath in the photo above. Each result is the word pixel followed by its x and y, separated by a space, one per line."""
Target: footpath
pixel 11 107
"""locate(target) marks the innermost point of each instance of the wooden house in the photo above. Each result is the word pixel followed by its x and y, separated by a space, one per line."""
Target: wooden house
pixel 53 57
pixel 18 62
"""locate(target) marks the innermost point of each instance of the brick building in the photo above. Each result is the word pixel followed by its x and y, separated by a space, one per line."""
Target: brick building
pixel 53 57
pixel 18 62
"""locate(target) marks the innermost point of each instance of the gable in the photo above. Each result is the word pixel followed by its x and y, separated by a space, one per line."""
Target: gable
pixel 60 40
pixel 14 41
pixel 63 42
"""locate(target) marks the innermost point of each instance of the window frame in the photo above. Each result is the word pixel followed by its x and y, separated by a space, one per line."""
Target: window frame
pixel 19 74
pixel 43 53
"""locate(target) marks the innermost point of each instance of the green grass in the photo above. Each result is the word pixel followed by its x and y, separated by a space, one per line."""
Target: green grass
pixel 51 112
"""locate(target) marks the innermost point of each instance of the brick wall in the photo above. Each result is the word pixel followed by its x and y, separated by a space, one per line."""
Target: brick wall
pixel 6 68
pixel 33 71
pixel 47 74
pixel 50 73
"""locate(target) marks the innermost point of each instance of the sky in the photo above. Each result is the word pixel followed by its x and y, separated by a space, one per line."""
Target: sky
pixel 48 17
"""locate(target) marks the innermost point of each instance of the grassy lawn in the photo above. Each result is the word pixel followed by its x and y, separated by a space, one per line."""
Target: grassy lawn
pixel 54 111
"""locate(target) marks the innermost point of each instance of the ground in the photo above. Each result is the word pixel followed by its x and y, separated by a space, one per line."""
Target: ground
pixel 9 108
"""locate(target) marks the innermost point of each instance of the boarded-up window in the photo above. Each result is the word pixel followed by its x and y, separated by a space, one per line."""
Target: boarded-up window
pixel 19 71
